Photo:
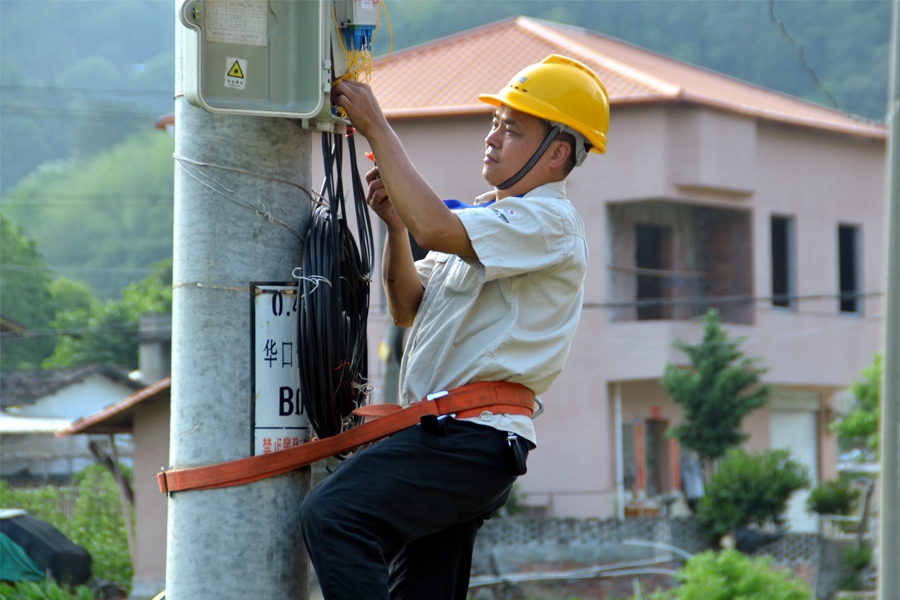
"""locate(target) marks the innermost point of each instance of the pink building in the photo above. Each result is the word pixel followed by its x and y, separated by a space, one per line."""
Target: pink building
pixel 713 193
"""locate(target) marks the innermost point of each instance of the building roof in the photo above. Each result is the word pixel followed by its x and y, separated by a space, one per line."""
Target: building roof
pixel 15 425
pixel 19 388
pixel 444 77
pixel 117 418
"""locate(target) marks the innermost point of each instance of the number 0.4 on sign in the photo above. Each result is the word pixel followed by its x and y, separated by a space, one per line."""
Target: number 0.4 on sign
pixel 277 414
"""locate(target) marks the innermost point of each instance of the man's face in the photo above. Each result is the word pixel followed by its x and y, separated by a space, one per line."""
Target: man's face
pixel 513 139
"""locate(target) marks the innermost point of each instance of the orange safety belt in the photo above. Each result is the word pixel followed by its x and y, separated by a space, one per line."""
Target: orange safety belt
pixel 497 397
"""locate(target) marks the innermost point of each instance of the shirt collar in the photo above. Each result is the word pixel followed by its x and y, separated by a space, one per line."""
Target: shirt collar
pixel 553 189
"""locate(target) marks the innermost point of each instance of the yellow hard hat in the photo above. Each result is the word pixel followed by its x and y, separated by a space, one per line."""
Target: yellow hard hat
pixel 563 91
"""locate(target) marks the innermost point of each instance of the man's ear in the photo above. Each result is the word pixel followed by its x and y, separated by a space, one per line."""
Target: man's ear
pixel 559 153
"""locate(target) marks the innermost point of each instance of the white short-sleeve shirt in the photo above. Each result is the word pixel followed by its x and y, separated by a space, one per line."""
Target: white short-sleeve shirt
pixel 510 314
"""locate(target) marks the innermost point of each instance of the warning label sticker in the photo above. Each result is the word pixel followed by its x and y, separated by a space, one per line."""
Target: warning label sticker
pixel 236 73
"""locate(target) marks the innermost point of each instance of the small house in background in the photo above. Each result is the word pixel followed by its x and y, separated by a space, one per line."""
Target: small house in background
pixel 713 193
pixel 144 417
pixel 35 403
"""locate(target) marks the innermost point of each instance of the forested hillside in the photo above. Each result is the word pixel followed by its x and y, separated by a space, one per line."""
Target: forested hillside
pixel 79 79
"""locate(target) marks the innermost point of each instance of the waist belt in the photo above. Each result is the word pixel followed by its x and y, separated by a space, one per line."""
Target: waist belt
pixel 498 397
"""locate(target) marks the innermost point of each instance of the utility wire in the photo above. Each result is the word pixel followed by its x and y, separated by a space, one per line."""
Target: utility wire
pixel 14 267
pixel 37 111
pixel 60 89
pixel 812 72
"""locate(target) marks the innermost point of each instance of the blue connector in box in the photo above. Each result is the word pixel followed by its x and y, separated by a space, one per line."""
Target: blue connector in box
pixel 359 37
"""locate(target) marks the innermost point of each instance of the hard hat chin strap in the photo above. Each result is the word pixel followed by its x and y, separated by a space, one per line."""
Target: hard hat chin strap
pixel 582 147
pixel 554 131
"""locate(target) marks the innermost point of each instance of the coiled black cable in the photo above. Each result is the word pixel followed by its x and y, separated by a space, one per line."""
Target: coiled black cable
pixel 334 299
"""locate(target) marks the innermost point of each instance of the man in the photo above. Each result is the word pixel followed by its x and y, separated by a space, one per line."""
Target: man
pixel 497 299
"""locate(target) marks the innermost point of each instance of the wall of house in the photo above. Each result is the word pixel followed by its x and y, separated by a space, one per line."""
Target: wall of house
pixel 688 157
pixel 151 439
pixel 78 400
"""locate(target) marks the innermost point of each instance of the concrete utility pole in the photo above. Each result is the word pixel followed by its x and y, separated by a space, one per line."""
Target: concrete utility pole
pixel 889 500
pixel 239 542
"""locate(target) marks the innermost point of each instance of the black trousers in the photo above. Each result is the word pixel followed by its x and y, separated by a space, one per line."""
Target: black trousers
pixel 398 519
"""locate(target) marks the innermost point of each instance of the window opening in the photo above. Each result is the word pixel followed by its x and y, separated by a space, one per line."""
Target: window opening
pixel 653 258
pixel 848 268
pixel 782 261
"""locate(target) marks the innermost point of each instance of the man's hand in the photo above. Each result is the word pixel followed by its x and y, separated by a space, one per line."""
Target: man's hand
pixel 397 191
pixel 361 105
pixel 378 199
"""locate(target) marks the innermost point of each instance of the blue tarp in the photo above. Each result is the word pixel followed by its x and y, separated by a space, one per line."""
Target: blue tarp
pixel 15 564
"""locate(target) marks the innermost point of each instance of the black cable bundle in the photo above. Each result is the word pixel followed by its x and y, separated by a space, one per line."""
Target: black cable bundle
pixel 334 299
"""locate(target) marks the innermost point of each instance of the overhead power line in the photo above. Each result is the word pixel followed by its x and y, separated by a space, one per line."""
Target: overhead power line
pixel 77 268
pixel 97 91
pixel 38 111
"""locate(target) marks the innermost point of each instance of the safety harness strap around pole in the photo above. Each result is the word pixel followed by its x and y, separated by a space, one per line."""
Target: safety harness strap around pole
pixel 469 400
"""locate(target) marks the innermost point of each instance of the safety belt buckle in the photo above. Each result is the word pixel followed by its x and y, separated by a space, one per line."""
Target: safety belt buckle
pixel 437 395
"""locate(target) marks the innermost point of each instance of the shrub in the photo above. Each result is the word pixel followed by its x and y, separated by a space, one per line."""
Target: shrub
pixel 729 575
pixel 857 558
pixel 750 489
pixel 90 515
pixel 832 497
pixel 47 590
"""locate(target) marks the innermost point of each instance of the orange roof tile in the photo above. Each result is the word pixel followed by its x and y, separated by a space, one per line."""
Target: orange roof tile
pixel 444 77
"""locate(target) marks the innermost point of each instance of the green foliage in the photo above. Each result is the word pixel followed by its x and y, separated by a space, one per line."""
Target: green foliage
pixel 729 575
pixel 107 333
pixel 716 393
pixel 24 298
pixel 70 72
pixel 859 427
pixel 70 295
pixel 102 221
pixel 47 590
pixel 856 558
pixel 750 489
pixel 833 497
pixel 89 514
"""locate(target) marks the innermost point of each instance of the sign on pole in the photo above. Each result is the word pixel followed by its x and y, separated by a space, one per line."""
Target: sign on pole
pixel 277 418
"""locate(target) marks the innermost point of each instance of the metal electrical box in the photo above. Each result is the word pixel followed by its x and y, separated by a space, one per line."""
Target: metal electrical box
pixel 259 57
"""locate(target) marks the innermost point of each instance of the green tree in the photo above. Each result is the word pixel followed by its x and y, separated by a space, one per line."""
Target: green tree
pixel 24 299
pixel 716 392
pixel 107 332
pixel 105 220
pixel 68 294
pixel 859 427
pixel 750 489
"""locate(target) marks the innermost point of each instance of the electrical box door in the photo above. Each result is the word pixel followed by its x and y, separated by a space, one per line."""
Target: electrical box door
pixel 258 57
